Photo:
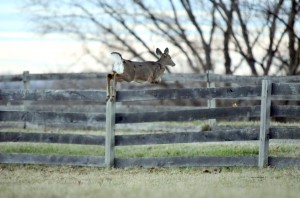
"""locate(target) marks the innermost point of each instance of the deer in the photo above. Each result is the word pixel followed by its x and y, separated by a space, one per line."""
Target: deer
pixel 131 71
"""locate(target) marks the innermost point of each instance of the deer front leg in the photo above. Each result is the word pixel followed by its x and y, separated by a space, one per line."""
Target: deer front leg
pixel 114 87
pixel 108 79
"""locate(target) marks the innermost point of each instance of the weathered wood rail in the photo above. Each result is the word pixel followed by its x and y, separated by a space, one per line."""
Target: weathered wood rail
pixel 110 141
pixel 147 139
pixel 186 77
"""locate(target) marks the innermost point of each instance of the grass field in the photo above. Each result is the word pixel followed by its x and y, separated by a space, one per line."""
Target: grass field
pixel 169 150
pixel 54 181
pixel 65 181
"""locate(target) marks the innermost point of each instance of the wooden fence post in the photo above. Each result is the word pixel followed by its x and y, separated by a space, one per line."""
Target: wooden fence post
pixel 26 79
pixel 26 87
pixel 265 114
pixel 110 132
pixel 211 103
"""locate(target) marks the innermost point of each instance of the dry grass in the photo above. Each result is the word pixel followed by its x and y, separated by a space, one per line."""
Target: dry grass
pixel 42 181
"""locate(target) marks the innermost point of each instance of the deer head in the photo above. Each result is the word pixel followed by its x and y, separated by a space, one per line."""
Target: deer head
pixel 165 58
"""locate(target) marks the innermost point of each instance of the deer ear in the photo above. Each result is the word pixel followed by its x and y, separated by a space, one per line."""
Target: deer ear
pixel 158 52
pixel 166 51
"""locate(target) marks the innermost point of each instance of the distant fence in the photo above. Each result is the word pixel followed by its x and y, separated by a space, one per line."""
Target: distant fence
pixel 265 111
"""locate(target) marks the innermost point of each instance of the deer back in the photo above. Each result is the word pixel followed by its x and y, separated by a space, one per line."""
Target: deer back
pixel 143 71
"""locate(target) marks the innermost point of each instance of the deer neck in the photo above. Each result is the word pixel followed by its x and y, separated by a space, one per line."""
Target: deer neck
pixel 161 62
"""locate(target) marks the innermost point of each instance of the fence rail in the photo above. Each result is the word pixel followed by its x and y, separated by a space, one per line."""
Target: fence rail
pixel 248 134
pixel 182 77
pixel 265 111
pixel 280 89
pixel 247 161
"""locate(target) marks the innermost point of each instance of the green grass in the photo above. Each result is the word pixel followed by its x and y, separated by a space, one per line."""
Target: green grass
pixel 60 149
pixel 195 149
pixel 170 150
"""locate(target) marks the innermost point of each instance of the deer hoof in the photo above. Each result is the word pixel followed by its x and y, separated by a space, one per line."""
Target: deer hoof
pixel 112 98
pixel 107 98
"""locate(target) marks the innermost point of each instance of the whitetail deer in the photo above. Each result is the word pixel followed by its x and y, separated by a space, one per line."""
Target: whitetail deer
pixel 126 70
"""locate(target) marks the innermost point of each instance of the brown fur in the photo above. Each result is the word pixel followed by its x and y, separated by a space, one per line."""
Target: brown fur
pixel 148 71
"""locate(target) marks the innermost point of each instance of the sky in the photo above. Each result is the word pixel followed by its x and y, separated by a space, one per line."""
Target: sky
pixel 24 49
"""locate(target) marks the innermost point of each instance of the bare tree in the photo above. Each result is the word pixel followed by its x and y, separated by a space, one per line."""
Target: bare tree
pixel 294 40
pixel 283 50
pixel 226 12
pixel 226 35
pixel 259 33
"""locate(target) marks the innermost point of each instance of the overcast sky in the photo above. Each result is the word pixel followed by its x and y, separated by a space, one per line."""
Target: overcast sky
pixel 23 49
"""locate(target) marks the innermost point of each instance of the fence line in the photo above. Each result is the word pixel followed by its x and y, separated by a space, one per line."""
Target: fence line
pixel 248 134
pixel 186 115
pixel 250 161
pixel 279 89
pixel 110 141
pixel 182 77
pixel 15 158
pixel 74 95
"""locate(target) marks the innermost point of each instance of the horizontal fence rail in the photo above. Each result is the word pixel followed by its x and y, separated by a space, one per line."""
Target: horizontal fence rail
pixel 40 117
pixel 52 76
pixel 285 111
pixel 286 89
pixel 186 77
pixel 187 161
pixel 156 94
pixel 256 80
pixel 51 159
pixel 52 138
pixel 188 115
pixel 93 161
pixel 158 116
pixel 203 114
pixel 53 95
pixel 248 134
pixel 195 93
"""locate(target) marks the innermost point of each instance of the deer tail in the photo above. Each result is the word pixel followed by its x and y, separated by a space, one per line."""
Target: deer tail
pixel 118 66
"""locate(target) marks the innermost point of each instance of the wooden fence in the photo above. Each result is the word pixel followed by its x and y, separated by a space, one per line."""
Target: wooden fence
pixel 265 111
pixel 98 106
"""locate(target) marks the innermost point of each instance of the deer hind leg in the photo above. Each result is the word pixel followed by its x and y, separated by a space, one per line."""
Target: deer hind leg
pixel 108 79
pixel 115 80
